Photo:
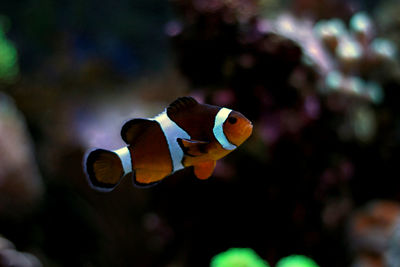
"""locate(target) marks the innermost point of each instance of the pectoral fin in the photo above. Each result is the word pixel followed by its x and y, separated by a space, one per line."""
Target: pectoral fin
pixel 193 148
pixel 203 170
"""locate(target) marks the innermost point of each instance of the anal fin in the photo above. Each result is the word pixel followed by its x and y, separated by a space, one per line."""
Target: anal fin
pixel 203 170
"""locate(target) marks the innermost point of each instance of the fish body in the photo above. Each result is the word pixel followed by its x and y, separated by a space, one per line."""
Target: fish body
pixel 186 134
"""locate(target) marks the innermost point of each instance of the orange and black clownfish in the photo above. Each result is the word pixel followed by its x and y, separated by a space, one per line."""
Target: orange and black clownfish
pixel 186 134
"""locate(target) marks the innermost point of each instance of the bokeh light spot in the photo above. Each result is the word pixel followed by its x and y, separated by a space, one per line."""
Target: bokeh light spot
pixel 296 261
pixel 238 257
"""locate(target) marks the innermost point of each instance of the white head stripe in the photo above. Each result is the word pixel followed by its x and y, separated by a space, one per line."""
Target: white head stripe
pixel 125 157
pixel 218 129
pixel 172 132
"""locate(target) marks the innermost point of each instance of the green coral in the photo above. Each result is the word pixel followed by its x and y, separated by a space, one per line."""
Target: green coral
pixel 8 58
pixel 296 261
pixel 238 257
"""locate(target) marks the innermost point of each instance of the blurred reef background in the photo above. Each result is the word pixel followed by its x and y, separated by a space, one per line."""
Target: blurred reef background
pixel 320 176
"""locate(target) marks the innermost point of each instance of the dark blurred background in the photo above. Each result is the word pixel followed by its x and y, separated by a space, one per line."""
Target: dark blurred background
pixel 320 175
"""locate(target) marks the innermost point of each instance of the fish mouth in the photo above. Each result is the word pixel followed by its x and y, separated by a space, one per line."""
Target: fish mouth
pixel 245 133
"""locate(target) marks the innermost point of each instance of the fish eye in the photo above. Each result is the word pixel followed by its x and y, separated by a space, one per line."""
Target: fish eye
pixel 232 120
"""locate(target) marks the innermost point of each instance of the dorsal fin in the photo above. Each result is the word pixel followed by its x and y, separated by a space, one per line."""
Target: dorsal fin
pixel 134 128
pixel 181 104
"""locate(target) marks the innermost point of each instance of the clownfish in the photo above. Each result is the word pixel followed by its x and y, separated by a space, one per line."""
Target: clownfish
pixel 186 134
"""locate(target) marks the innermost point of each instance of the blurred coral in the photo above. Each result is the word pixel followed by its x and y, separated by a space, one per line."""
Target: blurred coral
pixel 296 261
pixel 21 185
pixel 392 253
pixel 10 257
pixel 372 235
pixel 8 55
pixel 238 257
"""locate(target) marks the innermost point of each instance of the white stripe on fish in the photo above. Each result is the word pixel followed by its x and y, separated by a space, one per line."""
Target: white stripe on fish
pixel 172 132
pixel 218 129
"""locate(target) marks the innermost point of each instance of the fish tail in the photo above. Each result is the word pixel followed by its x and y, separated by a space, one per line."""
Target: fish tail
pixel 105 169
